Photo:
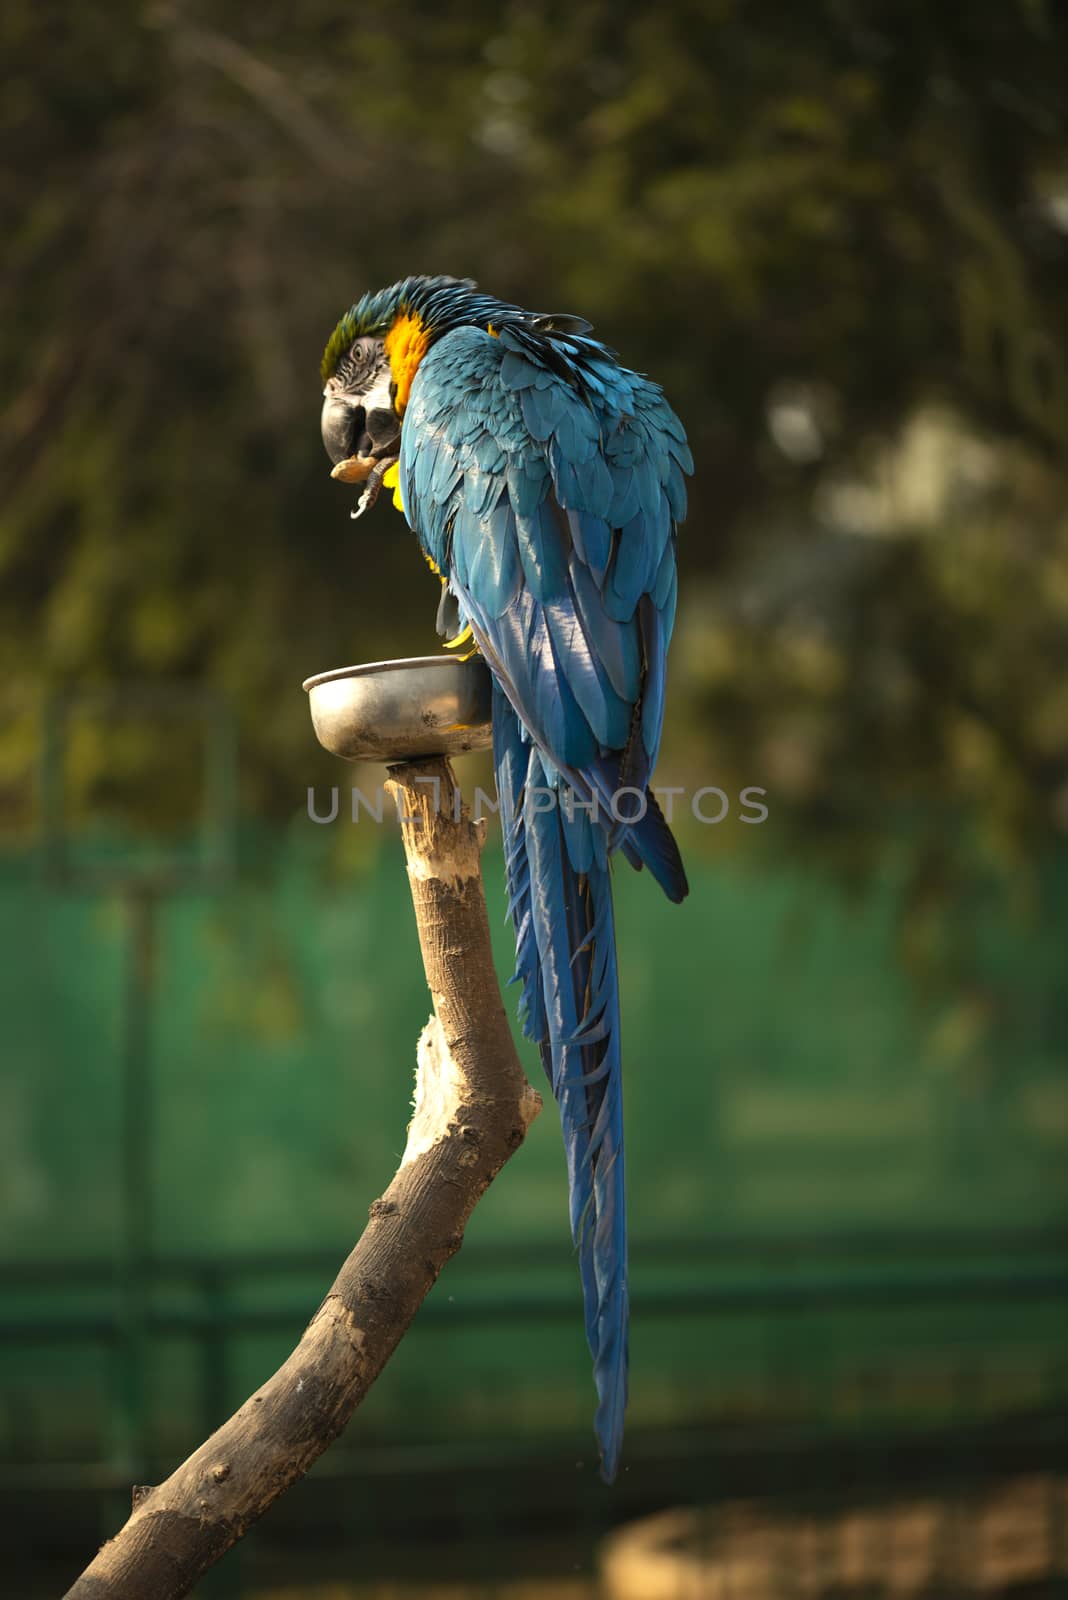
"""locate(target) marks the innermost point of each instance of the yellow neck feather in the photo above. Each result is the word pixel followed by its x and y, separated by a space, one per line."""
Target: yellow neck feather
pixel 406 343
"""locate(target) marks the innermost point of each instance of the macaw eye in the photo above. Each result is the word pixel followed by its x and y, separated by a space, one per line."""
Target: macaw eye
pixel 363 351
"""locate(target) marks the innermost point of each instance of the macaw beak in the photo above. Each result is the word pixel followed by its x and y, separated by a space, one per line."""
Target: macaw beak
pixel 344 427
pixel 358 432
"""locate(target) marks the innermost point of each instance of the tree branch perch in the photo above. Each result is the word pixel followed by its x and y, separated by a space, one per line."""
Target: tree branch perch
pixel 473 1106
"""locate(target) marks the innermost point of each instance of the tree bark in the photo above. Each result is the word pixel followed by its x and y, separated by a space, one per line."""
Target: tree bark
pixel 473 1106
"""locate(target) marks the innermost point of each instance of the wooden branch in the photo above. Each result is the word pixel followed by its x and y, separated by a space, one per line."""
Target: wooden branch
pixel 472 1110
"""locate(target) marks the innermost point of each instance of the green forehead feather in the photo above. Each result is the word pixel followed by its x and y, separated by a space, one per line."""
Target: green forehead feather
pixel 343 336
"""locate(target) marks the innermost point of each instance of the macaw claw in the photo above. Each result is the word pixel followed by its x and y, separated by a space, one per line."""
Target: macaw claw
pixel 378 471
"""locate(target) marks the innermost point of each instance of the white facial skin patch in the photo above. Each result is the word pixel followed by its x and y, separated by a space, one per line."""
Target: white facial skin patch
pixel 369 469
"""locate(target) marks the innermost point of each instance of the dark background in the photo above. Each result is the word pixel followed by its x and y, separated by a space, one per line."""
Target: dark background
pixel 838 235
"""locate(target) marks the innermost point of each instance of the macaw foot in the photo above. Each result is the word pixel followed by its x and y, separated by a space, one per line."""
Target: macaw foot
pixel 466 637
pixel 373 485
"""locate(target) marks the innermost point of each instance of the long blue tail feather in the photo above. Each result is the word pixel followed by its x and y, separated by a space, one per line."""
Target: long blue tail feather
pixel 566 961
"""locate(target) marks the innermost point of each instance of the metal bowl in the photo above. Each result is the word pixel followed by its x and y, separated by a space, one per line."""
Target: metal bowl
pixel 397 710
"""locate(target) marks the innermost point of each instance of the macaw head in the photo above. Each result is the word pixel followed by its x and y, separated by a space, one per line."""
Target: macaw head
pixel 360 419
pixel 373 355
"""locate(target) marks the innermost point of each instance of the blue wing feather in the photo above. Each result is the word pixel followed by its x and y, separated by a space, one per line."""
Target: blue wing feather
pixel 592 539
pixel 492 557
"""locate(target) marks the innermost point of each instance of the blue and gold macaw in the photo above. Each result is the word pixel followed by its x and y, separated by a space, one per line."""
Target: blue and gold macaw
pixel 544 482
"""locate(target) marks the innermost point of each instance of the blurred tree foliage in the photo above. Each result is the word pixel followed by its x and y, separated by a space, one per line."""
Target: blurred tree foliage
pixel 837 233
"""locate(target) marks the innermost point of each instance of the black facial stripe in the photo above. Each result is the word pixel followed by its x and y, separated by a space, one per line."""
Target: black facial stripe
pixel 360 366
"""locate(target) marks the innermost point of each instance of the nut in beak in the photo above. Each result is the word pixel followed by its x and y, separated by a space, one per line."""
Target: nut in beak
pixel 356 469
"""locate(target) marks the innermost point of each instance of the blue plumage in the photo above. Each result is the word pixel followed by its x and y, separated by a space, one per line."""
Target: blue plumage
pixel 545 481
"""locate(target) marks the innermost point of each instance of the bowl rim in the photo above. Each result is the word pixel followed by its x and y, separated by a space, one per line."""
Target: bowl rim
pixel 369 667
